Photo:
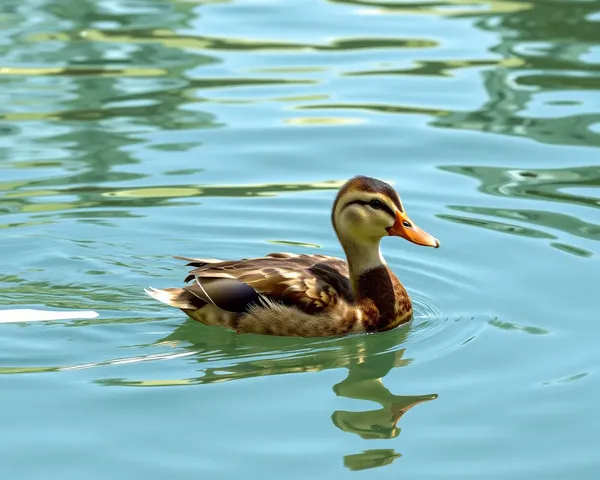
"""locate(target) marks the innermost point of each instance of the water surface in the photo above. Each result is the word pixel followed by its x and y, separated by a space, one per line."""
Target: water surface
pixel 131 131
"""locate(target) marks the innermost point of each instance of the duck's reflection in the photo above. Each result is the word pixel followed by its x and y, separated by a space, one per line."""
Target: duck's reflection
pixel 371 459
pixel 368 358
pixel 363 383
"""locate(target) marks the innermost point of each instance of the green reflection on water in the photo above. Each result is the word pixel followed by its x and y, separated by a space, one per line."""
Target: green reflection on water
pixel 453 8
pixel 23 198
pixel 508 326
pixel 368 360
pixel 440 68
pixel 371 459
pixel 173 39
pixel 107 112
pixel 538 184
pixel 517 77
pixel 558 221
pixel 497 226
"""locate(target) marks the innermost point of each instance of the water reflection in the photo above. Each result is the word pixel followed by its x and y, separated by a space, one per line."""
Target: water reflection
pixel 378 457
pixel 16 290
pixel 368 360
pixel 536 184
pixel 94 91
pixel 454 8
pixel 364 382
pixel 84 116
pixel 172 39
pixel 545 63
pixel 119 202
pixel 539 184
pixel 559 221
pixel 500 227
pixel 438 68
pixel 530 58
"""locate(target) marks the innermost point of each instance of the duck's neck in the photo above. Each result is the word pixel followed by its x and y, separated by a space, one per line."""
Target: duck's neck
pixel 362 257
pixel 374 285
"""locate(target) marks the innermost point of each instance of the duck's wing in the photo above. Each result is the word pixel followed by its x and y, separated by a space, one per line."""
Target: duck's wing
pixel 311 283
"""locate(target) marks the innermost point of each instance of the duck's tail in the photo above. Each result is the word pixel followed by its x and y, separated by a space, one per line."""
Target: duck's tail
pixel 175 297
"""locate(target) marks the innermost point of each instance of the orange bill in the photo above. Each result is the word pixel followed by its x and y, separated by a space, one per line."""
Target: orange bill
pixel 405 228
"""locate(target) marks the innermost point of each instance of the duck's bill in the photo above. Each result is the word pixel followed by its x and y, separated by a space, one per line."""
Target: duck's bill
pixel 405 228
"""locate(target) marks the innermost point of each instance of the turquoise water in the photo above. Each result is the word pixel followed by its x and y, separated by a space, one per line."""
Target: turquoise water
pixel 133 130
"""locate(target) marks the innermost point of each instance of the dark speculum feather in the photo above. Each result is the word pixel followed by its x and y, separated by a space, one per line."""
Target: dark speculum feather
pixel 226 293
pixel 196 264
pixel 189 278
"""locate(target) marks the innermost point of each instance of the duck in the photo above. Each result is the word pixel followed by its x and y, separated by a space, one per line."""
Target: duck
pixel 310 295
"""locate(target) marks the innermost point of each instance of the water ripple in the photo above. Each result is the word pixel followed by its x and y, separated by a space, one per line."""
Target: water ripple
pixel 243 118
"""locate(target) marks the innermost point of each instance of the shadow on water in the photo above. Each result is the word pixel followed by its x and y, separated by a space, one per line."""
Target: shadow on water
pixel 368 360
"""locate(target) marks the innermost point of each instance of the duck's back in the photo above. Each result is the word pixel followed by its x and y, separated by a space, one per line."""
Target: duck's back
pixel 280 294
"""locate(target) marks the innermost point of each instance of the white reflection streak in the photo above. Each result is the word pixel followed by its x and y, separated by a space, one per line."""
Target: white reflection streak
pixel 23 315
pixel 121 361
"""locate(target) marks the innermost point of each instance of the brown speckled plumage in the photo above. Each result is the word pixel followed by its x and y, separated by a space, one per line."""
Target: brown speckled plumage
pixel 297 295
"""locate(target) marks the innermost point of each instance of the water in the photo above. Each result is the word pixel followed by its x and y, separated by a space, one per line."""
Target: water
pixel 133 130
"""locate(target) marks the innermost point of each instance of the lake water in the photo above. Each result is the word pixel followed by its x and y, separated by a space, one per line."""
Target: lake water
pixel 133 130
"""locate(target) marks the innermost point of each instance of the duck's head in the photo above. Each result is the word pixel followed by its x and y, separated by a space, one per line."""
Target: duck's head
pixel 366 210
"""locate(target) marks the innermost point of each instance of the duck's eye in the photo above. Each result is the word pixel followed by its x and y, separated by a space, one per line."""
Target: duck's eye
pixel 406 224
pixel 376 204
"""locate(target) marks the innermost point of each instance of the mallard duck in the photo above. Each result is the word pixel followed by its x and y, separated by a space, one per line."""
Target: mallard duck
pixel 310 295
